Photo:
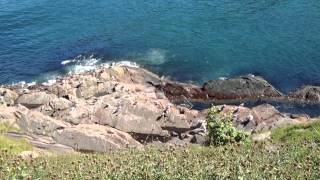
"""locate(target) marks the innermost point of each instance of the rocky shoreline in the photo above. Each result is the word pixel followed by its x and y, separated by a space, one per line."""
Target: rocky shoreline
pixel 117 107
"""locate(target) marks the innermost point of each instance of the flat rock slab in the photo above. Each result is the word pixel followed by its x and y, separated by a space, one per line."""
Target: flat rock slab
pixel 92 137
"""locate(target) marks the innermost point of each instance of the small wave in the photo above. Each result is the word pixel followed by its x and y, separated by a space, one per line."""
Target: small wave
pixel 124 63
pixel 50 82
pixel 67 62
pixel 24 83
pixel 81 64
pixel 78 65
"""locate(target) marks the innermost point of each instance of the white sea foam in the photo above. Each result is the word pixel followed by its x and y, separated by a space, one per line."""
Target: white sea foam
pixel 124 63
pixel 67 62
pixel 222 78
pixel 77 65
pixel 50 82
pixel 81 64
pixel 31 83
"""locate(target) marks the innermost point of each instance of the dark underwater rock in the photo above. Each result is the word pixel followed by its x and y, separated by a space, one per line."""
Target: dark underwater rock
pixel 307 93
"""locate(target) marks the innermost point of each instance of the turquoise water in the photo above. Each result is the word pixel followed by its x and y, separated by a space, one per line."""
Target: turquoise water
pixel 188 40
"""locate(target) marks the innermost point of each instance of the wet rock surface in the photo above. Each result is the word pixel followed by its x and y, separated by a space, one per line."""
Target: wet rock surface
pixel 307 93
pixel 243 87
pixel 237 89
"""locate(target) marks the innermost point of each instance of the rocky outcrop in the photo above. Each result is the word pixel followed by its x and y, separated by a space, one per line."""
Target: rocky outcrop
pixel 261 118
pixel 116 107
pixel 243 87
pixel 95 138
pixel 35 99
pixel 307 93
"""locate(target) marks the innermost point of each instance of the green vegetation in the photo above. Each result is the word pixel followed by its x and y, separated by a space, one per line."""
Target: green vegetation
pixel 230 162
pixel 11 145
pixel 282 158
pixel 4 127
pixel 221 130
pixel 306 133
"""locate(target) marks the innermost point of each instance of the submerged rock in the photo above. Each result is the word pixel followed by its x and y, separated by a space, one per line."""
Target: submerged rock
pixel 307 93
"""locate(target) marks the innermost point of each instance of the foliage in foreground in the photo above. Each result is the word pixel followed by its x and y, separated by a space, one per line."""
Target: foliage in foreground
pixel 279 159
pixel 306 133
pixel 13 146
pixel 285 161
pixel 220 129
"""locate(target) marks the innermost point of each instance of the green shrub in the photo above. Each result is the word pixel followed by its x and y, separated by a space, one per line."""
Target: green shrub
pixel 221 130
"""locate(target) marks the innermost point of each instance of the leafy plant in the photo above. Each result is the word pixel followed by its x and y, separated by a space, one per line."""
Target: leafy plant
pixel 221 130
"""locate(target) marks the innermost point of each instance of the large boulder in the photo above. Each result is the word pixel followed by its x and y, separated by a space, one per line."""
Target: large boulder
pixel 36 123
pixel 8 97
pixel 95 138
pixel 243 87
pixel 35 99
pixel 307 93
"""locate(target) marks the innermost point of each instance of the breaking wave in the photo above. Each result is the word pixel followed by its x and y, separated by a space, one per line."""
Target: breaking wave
pixel 81 64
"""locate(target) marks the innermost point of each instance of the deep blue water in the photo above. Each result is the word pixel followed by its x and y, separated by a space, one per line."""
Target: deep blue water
pixel 189 40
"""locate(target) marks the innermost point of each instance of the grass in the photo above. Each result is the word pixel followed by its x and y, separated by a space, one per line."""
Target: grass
pixel 298 133
pixel 11 145
pixel 282 158
pixel 4 127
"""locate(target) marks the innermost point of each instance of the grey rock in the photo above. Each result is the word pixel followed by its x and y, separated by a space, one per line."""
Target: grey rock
pixel 199 139
pixel 307 93
pixel 243 87
pixel 95 138
pixel 37 123
pixel 35 99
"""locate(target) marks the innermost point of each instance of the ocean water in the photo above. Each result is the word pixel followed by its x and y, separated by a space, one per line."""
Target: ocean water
pixel 188 40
